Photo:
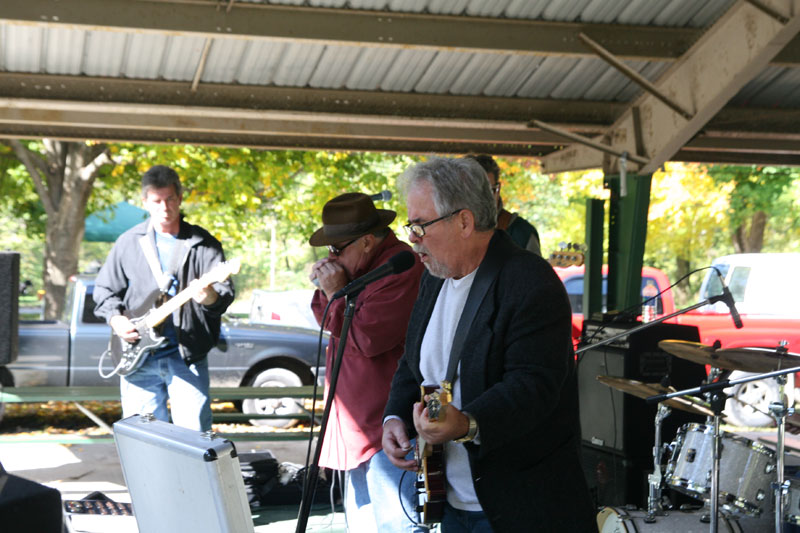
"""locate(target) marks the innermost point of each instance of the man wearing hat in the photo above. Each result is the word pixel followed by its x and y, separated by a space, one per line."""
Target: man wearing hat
pixel 359 240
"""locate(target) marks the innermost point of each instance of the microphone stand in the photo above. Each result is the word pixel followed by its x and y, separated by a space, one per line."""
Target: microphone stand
pixel 312 472
pixel 718 397
pixel 645 325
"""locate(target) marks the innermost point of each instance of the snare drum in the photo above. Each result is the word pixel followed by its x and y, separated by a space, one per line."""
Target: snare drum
pixel 746 469
pixel 619 520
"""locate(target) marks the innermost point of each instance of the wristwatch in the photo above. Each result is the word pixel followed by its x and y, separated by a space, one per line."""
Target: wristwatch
pixel 471 432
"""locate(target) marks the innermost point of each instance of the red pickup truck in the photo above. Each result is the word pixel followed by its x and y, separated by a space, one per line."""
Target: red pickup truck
pixel 767 298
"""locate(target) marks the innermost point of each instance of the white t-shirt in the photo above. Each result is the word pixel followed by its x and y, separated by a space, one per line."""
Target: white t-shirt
pixel 434 358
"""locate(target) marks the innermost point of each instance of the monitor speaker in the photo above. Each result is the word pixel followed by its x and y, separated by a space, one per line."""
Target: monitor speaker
pixel 9 307
pixel 618 428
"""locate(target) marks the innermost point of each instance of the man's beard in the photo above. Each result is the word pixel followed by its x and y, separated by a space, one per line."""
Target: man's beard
pixel 435 268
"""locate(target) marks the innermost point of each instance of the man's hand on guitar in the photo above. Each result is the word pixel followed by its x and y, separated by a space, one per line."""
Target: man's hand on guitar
pixel 453 425
pixel 396 445
pixel 124 328
pixel 204 295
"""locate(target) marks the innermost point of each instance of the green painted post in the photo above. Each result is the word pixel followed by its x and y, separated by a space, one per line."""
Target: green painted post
pixel 593 275
pixel 627 233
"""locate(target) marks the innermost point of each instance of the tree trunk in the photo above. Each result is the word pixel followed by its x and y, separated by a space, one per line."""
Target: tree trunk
pixel 683 291
pixel 64 175
pixel 750 240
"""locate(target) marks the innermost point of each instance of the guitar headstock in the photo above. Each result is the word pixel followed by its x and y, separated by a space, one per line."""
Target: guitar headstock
pixel 222 271
pixel 568 255
pixel 437 400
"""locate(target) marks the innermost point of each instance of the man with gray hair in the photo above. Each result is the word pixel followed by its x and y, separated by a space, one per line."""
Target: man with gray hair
pixel 492 324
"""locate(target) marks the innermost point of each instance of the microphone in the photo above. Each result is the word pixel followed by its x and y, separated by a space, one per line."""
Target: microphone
pixel 383 195
pixel 396 264
pixel 727 298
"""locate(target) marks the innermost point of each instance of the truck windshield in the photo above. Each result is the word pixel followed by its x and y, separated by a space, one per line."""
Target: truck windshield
pixel 574 286
pixel 714 285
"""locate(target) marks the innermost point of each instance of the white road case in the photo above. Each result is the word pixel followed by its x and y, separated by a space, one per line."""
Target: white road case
pixel 181 480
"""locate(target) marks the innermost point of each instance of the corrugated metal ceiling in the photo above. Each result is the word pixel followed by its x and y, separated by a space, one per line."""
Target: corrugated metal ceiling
pixel 81 51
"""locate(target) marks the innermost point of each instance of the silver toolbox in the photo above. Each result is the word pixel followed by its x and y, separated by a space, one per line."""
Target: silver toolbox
pixel 180 479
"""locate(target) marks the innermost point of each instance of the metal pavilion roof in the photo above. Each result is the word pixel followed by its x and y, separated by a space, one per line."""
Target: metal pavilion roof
pixel 396 75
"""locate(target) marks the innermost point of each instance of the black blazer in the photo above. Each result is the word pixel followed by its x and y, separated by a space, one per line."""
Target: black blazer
pixel 518 381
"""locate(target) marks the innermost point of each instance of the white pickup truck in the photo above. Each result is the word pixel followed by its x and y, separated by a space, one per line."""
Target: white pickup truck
pixel 768 299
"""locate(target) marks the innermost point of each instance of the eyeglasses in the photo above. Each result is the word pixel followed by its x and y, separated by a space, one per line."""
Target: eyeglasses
pixel 336 251
pixel 495 188
pixel 419 229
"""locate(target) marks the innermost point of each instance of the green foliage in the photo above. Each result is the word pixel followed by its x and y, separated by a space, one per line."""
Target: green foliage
pixel 263 205
pixel 755 188
pixel 18 197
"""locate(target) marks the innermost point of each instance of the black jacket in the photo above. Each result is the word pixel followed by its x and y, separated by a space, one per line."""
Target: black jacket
pixel 518 380
pixel 126 283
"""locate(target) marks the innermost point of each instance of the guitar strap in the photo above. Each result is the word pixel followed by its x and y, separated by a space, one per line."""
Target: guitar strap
pixel 163 279
pixel 487 272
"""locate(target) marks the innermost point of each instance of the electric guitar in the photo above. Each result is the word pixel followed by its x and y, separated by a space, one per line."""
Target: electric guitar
pixel 129 357
pixel 431 481
pixel 569 254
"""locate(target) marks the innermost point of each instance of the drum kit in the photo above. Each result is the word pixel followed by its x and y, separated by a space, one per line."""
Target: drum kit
pixel 740 482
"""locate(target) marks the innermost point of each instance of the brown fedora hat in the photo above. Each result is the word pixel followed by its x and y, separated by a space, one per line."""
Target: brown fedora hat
pixel 349 216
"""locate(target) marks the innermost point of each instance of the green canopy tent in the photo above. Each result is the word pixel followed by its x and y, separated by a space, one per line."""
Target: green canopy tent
pixel 109 223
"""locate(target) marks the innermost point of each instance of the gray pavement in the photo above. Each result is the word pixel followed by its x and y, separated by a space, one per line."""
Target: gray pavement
pixel 77 470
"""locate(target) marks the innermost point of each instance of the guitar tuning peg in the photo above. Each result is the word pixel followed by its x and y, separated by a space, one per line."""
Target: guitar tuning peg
pixel 562 245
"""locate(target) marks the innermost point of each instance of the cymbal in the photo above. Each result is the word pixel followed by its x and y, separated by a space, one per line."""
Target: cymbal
pixel 645 390
pixel 745 359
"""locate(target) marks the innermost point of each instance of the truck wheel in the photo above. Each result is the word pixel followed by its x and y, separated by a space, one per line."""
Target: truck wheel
pixel 274 377
pixel 748 404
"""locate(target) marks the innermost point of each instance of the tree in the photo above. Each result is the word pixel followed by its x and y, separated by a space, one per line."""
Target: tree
pixel 756 194
pixel 63 174
pixel 687 206
pixel 238 194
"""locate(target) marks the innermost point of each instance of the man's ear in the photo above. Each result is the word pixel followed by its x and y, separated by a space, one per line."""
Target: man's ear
pixel 367 242
pixel 466 222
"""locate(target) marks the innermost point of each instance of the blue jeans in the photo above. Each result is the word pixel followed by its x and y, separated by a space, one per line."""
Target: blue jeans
pixel 372 502
pixel 186 387
pixel 458 521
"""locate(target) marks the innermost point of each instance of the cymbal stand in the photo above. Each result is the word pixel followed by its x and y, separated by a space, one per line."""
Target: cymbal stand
pixel 780 411
pixel 718 399
pixel 654 507
pixel 713 375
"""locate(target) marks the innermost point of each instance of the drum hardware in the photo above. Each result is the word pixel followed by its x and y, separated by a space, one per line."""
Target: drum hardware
pixel 718 399
pixel 644 390
pixel 780 411
pixel 654 507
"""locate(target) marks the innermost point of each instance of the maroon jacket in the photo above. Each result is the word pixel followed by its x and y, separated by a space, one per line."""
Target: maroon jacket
pixel 375 342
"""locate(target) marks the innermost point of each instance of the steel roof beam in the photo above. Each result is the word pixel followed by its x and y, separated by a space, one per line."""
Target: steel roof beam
pixel 347 26
pixel 374 28
pixel 729 54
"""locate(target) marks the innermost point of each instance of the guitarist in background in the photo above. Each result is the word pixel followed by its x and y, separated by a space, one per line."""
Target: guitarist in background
pixel 182 252
pixel 520 230
pixel 511 431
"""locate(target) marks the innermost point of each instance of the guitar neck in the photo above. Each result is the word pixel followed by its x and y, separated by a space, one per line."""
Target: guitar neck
pixel 158 315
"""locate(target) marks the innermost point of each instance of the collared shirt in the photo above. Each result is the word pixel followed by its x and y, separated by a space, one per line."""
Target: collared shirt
pixel 375 342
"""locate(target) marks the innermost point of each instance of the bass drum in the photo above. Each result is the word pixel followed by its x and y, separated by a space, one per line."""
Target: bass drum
pixel 621 520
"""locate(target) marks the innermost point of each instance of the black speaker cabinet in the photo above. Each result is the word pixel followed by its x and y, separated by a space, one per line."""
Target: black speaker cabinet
pixel 27 506
pixel 618 427
pixel 9 307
